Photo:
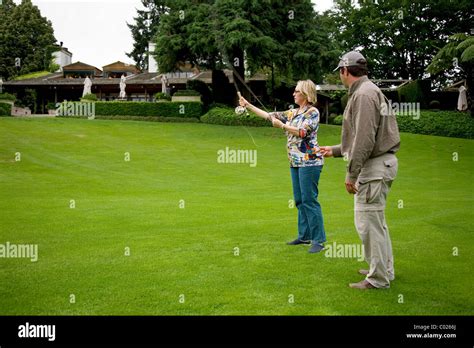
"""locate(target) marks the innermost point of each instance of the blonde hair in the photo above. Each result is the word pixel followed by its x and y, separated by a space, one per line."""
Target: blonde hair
pixel 308 89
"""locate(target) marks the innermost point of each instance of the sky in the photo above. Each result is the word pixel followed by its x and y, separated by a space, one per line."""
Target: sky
pixel 95 31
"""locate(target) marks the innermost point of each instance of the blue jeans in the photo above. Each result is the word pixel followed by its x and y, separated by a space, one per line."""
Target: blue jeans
pixel 305 191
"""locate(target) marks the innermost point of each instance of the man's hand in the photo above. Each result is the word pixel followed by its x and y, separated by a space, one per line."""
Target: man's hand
pixel 351 187
pixel 277 123
pixel 326 151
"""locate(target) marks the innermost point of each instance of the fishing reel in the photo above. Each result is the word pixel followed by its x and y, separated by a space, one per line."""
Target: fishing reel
pixel 240 110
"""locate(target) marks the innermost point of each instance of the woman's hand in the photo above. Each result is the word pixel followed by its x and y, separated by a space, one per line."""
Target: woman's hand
pixel 243 102
pixel 260 113
pixel 277 123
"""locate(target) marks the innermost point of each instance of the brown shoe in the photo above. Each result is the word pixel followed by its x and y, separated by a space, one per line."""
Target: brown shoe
pixel 366 272
pixel 362 285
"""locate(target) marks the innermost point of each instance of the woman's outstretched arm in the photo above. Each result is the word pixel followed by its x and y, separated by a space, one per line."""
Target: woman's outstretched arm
pixel 259 112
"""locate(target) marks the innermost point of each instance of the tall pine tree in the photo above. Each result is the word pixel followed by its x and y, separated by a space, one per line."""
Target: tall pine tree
pixel 285 36
pixel 144 28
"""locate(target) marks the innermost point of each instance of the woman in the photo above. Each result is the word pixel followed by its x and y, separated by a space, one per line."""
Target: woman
pixel 301 126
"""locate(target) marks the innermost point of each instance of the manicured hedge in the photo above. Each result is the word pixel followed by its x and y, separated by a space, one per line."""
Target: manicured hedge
pixel 338 120
pixel 443 123
pixel 5 109
pixel 227 117
pixel 162 96
pixel 164 109
pixel 90 96
pixel 186 93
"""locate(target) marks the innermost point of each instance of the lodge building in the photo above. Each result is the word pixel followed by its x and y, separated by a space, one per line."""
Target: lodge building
pixel 68 82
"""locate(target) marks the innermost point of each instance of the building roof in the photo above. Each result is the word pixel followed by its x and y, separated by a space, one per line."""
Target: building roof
pixel 79 66
pixel 57 79
pixel 119 66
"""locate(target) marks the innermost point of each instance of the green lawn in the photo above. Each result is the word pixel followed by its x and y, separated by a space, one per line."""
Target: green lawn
pixel 173 251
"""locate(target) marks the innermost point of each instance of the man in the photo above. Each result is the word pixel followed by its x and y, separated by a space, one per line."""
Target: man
pixel 369 141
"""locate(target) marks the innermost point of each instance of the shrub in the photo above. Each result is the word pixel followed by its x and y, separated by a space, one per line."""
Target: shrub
pixel 51 106
pixel 167 109
pixel 338 120
pixel 227 117
pixel 187 93
pixel 5 109
pixel 19 103
pixel 7 96
pixel 89 97
pixel 442 123
pixel 331 118
pixel 162 96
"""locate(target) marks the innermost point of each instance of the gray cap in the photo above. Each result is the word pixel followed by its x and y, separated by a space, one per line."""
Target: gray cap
pixel 350 59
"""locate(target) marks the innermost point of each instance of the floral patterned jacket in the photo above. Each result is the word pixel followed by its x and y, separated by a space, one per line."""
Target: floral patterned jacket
pixel 303 150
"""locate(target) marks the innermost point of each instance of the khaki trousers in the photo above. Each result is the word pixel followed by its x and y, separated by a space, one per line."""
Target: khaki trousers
pixel 373 184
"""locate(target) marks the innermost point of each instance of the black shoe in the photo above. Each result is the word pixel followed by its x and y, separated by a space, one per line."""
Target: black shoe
pixel 299 241
pixel 316 248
